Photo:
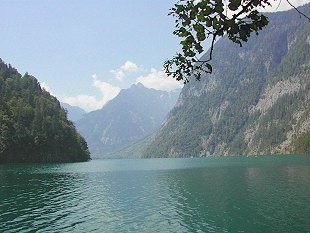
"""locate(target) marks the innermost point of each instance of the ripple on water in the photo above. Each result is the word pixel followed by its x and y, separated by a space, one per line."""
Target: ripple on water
pixel 73 198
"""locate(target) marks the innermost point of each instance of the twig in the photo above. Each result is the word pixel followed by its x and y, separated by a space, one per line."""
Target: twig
pixel 298 10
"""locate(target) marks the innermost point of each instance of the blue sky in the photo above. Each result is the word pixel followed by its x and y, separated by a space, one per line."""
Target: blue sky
pixel 84 52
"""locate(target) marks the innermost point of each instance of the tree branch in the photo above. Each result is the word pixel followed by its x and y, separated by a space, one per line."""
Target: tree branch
pixel 307 17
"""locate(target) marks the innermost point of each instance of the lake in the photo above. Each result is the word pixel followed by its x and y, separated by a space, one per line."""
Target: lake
pixel 218 194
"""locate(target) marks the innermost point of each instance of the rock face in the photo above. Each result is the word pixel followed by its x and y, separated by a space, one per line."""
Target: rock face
pixel 134 114
pixel 256 101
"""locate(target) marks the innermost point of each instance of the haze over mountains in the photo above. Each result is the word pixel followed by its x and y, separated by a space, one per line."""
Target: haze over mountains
pixel 132 115
pixel 74 113
pixel 255 102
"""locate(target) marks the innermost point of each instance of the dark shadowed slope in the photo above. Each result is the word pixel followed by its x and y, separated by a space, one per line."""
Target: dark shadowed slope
pixel 33 125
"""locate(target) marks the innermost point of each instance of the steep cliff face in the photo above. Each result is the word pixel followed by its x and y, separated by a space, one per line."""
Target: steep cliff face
pixel 255 102
pixel 281 115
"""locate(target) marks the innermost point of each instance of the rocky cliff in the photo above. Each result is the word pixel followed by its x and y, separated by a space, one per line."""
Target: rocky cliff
pixel 256 101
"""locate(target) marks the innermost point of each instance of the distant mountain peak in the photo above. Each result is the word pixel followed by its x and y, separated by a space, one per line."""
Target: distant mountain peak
pixel 132 115
pixel 139 84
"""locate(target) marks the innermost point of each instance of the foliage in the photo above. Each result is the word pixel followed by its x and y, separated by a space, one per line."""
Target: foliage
pixel 33 126
pixel 219 115
pixel 302 144
pixel 199 21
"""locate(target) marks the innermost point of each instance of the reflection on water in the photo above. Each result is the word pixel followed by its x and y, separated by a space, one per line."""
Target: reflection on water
pixel 161 195
pixel 243 199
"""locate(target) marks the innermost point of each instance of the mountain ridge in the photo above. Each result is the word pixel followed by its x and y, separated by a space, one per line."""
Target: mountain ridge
pixel 132 115
pixel 251 101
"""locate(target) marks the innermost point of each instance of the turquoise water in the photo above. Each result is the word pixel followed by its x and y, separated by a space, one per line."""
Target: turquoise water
pixel 226 194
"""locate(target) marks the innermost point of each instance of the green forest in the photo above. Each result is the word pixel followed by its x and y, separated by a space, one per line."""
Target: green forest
pixel 33 125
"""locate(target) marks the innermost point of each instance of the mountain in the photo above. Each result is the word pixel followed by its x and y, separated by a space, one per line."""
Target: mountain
pixel 132 115
pixel 33 126
pixel 74 113
pixel 256 101
pixel 133 150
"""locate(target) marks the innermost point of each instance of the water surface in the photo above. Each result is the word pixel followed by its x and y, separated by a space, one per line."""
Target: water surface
pixel 226 194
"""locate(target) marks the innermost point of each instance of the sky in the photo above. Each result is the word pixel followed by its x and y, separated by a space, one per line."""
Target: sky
pixel 85 52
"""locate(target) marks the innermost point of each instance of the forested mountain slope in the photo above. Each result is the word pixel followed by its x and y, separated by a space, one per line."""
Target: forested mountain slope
pixel 33 126
pixel 256 101
pixel 132 115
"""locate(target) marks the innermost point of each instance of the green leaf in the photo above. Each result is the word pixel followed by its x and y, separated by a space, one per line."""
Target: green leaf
pixel 234 4
pixel 198 27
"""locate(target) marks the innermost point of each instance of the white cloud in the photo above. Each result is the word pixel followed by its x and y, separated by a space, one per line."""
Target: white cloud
pixel 276 5
pixel 46 87
pixel 284 5
pixel 157 79
pixel 90 102
pixel 120 73
pixel 107 90
pixel 129 66
pixel 86 102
